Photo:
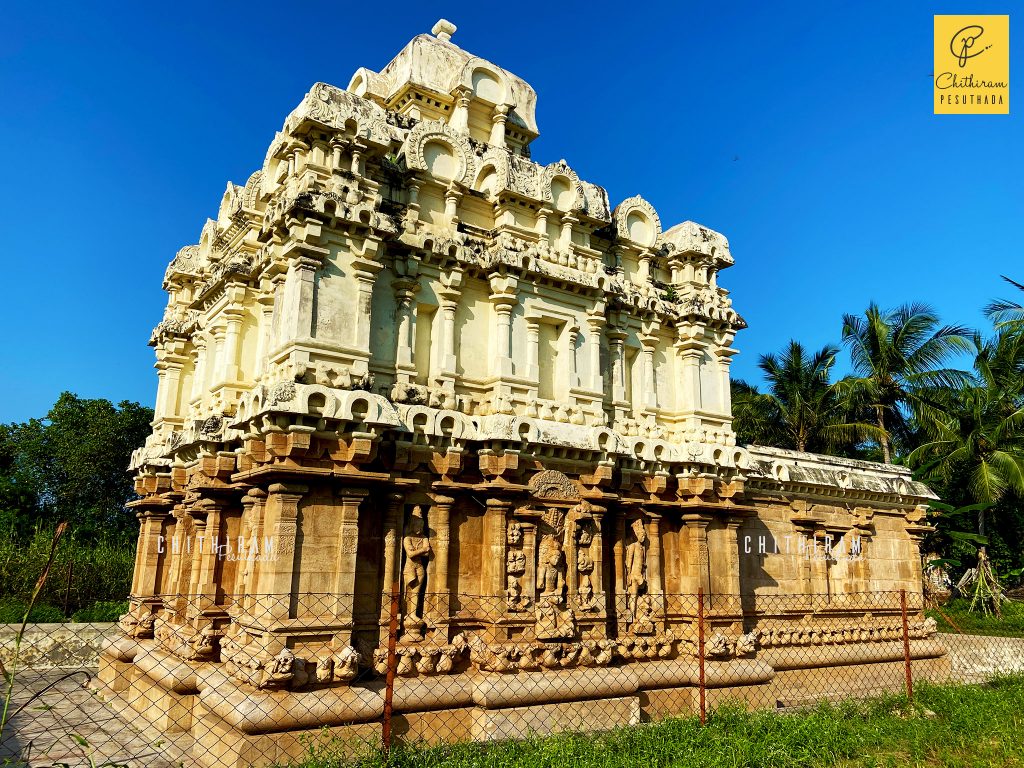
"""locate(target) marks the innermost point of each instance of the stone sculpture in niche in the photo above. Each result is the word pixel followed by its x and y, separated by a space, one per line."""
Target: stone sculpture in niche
pixel 585 568
pixel 636 566
pixel 551 578
pixel 515 567
pixel 414 576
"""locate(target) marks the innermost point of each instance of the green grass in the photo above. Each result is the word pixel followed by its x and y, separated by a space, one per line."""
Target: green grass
pixel 1010 625
pixel 954 726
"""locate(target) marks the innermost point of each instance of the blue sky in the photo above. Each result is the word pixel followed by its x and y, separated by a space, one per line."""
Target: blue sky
pixel 803 131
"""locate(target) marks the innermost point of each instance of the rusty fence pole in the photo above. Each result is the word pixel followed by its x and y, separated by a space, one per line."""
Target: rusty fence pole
pixel 389 678
pixel 700 653
pixel 906 645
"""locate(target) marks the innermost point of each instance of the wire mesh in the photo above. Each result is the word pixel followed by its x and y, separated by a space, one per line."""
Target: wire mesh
pixel 271 679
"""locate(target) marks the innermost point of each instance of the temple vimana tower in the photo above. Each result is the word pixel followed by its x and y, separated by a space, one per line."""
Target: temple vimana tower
pixel 406 356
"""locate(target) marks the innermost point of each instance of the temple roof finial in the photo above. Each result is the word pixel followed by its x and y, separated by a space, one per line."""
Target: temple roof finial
pixel 443 30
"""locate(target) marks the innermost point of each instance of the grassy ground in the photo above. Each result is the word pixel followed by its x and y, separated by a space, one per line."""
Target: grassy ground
pixel 954 726
pixel 954 617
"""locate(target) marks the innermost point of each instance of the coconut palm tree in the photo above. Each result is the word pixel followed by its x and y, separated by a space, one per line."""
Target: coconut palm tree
pixel 895 355
pixel 1006 313
pixel 754 418
pixel 977 431
pixel 802 408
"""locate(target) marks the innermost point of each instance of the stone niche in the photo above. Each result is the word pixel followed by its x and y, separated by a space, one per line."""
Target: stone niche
pixel 405 355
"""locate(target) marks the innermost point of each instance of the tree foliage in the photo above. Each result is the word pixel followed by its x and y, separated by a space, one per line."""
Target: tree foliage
pixel 895 356
pixel 72 465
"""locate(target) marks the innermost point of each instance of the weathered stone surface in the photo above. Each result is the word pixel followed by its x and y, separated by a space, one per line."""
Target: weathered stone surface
pixel 974 658
pixel 55 646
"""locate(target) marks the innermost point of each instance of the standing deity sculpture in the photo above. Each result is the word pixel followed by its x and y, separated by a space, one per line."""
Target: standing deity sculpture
pixel 551 578
pixel 584 568
pixel 414 575
pixel 636 566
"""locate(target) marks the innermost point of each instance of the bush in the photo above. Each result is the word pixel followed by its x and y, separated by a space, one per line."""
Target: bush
pixel 102 610
pixel 82 574
pixel 12 611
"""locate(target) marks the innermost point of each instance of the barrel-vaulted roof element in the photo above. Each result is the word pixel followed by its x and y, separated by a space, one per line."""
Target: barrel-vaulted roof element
pixel 433 63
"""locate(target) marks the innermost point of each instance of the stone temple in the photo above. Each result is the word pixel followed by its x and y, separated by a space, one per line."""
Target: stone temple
pixel 406 353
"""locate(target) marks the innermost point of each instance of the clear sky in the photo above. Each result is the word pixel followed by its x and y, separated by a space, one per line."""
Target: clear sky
pixel 802 131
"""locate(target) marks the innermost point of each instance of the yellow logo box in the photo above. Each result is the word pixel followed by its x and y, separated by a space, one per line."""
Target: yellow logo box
pixel 972 65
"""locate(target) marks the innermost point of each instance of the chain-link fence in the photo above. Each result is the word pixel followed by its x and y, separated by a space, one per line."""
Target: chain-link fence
pixel 269 679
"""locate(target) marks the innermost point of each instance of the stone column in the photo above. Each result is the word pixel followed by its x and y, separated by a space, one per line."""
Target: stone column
pixel 446 357
pixel 206 513
pixel 650 395
pixel 504 299
pixel 617 342
pixel 503 316
pixel 533 349
pixel 437 574
pixel 170 361
pixel 565 240
pixel 299 286
pixel 414 185
pixel 405 292
pixel 572 338
pixel 338 145
pixel 198 370
pixel 358 148
pixel 597 551
pixel 349 500
pixel 148 557
pixel 530 553
pixel 690 352
pixel 495 524
pixel 732 544
pixel 393 520
pixel 232 334
pixel 542 223
pixel 452 196
pixel 448 296
pixel 618 554
pixel 253 505
pixel 459 120
pixel 595 324
pixel 655 582
pixel 644 272
pixel 498 125
pixel 365 271
pixel 698 528
pixel 266 324
pixel 275 576
pixel 655 579
pixel 725 355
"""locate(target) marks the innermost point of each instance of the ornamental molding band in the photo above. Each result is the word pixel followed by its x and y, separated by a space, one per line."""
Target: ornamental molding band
pixel 405 355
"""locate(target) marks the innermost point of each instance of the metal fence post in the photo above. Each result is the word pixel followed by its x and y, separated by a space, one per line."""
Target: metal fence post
pixel 906 645
pixel 700 653
pixel 389 678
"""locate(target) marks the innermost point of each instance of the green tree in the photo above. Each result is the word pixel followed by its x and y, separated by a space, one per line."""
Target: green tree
pixel 73 465
pixel 802 409
pixel 895 355
pixel 974 434
pixel 1007 313
pixel 753 417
